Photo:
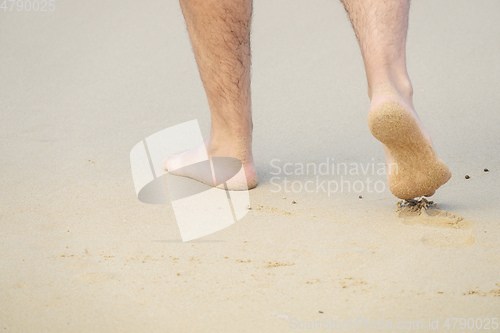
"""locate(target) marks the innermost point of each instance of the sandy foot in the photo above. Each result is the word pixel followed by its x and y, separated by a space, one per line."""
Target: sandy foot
pixel 414 169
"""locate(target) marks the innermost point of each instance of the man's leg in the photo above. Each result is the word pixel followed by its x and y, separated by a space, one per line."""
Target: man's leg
pixel 220 36
pixel 414 169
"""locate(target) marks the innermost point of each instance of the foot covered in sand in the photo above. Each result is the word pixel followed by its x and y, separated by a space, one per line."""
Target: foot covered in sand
pixel 414 168
pixel 221 167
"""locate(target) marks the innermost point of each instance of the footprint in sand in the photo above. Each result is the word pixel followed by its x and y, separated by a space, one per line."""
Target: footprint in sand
pixel 444 229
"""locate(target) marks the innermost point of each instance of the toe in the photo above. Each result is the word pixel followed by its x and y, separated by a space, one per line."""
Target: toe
pixel 429 194
pixel 166 163
pixel 169 163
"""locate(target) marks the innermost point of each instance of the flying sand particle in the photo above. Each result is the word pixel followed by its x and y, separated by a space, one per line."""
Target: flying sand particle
pixel 414 205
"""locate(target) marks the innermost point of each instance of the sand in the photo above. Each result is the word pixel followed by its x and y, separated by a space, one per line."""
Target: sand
pixel 78 252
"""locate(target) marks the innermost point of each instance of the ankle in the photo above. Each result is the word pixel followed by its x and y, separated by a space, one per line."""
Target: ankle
pixel 231 134
pixel 230 146
pixel 393 85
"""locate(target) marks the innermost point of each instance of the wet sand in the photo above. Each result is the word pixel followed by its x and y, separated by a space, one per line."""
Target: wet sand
pixel 82 85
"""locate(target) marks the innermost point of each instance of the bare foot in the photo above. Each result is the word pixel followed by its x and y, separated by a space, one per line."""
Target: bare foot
pixel 414 168
pixel 226 166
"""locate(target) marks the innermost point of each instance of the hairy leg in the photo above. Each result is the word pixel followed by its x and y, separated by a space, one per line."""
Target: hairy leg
pixel 220 36
pixel 414 169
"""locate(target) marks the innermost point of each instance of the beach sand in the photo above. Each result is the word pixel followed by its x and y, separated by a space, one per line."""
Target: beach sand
pixel 80 86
